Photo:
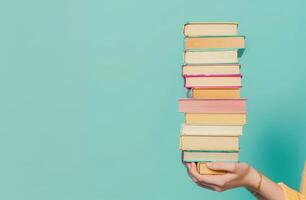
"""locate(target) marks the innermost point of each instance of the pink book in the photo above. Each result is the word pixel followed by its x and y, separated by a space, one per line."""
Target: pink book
pixel 212 105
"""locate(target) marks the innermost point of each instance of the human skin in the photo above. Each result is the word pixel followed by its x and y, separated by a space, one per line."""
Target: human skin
pixel 236 175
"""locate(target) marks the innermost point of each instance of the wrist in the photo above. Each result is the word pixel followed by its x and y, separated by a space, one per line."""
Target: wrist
pixel 252 179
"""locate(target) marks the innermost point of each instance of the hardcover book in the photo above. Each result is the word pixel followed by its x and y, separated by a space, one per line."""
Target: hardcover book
pixel 206 156
pixel 204 170
pixel 210 69
pixel 210 28
pixel 211 130
pixel 211 57
pixel 214 42
pixel 209 143
pixel 215 119
pixel 214 93
pixel 212 105
pixel 214 81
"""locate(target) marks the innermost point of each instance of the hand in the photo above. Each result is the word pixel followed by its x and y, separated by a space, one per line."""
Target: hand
pixel 236 175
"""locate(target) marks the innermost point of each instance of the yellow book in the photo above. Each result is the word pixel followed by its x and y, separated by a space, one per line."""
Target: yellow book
pixel 215 119
pixel 204 170
pixel 215 93
pixel 214 42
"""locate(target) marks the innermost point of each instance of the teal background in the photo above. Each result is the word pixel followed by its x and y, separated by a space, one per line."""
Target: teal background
pixel 89 89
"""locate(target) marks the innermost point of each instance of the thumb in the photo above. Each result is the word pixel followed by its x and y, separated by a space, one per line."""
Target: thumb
pixel 220 166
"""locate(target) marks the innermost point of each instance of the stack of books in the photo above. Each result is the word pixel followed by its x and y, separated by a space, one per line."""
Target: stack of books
pixel 214 112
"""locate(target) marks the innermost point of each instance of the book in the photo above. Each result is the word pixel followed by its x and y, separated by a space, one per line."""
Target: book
pixel 231 81
pixel 209 143
pixel 215 119
pixel 205 156
pixel 210 69
pixel 211 130
pixel 190 105
pixel 214 42
pixel 214 93
pixel 210 28
pixel 211 57
pixel 204 170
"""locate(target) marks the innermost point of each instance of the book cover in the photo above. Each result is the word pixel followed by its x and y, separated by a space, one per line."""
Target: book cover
pixel 204 170
pixel 209 143
pixel 209 156
pixel 190 105
pixel 214 42
pixel 215 119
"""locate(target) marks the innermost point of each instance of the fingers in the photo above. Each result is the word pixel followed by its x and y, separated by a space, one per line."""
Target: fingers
pixel 196 177
pixel 186 164
pixel 212 182
pixel 218 180
pixel 219 166
pixel 192 171
pixel 213 188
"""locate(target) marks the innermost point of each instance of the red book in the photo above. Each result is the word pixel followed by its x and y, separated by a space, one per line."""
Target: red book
pixel 212 105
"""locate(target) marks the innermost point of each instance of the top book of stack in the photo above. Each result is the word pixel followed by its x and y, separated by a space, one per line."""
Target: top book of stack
pixel 196 29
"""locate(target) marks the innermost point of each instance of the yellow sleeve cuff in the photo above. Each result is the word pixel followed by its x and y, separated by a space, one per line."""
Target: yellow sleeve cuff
pixel 290 194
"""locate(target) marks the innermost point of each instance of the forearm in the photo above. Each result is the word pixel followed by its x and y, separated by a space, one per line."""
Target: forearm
pixel 268 189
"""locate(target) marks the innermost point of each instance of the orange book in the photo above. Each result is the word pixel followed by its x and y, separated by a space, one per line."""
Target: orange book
pixel 215 119
pixel 204 170
pixel 214 42
pixel 218 93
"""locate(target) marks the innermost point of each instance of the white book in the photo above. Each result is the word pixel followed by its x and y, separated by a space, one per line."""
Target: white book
pixel 211 57
pixel 197 130
pixel 202 156
pixel 210 29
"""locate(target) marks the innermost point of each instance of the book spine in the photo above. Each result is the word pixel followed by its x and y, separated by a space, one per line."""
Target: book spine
pixel 204 170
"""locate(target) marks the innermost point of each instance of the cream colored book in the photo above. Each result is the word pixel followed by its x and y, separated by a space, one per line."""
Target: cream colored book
pixel 209 143
pixel 211 57
pixel 204 170
pixel 202 156
pixel 210 69
pixel 213 81
pixel 210 29
pixel 215 119
pixel 198 130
